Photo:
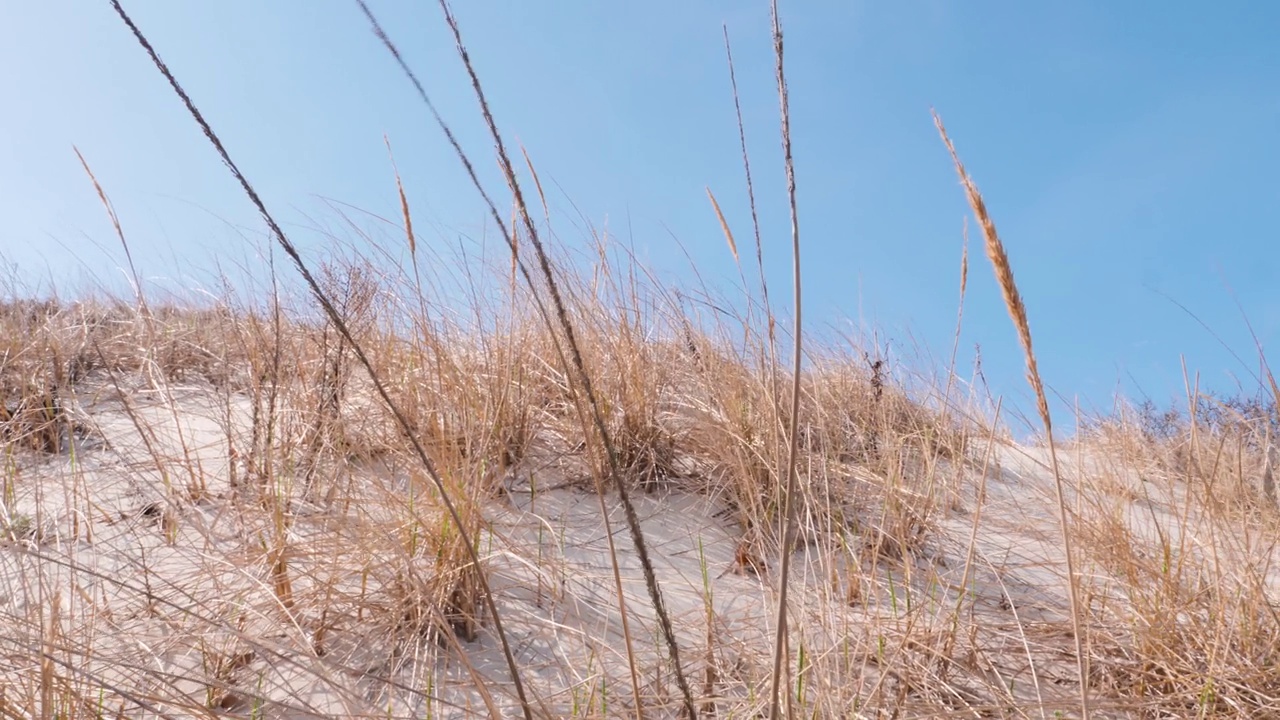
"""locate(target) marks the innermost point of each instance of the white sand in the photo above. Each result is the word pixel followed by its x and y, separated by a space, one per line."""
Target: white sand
pixel 150 600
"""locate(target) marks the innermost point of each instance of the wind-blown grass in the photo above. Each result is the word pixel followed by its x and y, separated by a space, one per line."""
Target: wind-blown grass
pixel 403 506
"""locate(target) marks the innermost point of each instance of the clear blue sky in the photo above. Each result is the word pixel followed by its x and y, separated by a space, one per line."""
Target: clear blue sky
pixel 1126 149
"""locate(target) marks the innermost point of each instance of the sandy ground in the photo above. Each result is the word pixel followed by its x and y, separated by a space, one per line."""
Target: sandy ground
pixel 160 599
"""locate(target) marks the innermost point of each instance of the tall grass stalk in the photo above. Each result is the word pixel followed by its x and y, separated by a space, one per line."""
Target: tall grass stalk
pixel 1018 313
pixel 780 647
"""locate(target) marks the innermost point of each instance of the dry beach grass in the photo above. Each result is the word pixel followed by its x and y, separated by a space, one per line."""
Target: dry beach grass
pixel 581 494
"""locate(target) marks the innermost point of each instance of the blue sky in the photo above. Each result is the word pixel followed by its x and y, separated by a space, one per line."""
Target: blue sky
pixel 1127 152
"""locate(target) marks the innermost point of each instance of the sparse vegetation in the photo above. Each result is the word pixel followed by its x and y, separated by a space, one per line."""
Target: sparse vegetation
pixel 570 494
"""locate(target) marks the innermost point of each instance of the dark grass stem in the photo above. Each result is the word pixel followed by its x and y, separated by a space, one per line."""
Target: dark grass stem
pixel 751 201
pixel 341 326
pixel 578 365
pixel 584 378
